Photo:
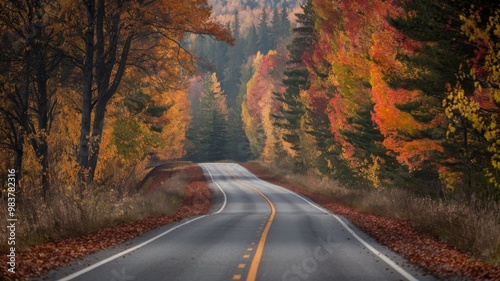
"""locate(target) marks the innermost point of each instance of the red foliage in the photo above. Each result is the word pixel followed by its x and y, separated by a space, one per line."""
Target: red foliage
pixel 394 124
pixel 266 80
pixel 356 47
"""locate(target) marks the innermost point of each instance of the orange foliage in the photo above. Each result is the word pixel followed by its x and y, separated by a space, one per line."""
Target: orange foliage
pixel 394 124
pixel 360 47
pixel 146 61
pixel 343 45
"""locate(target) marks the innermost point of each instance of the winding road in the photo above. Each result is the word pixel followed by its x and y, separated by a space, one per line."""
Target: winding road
pixel 256 231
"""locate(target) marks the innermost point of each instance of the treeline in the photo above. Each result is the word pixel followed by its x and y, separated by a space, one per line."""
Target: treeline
pixel 228 66
pixel 381 93
pixel 91 90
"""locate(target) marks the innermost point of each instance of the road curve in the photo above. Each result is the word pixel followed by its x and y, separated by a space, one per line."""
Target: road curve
pixel 256 231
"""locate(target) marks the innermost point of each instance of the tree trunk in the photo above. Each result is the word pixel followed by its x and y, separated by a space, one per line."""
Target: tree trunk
pixel 83 149
pixel 97 130
pixel 24 122
pixel 43 112
pixel 468 160
pixel 105 93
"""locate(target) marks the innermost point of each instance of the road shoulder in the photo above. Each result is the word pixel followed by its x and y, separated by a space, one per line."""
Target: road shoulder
pixel 71 252
pixel 432 255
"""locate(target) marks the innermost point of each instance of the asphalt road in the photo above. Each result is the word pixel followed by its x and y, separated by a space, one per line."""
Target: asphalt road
pixel 256 231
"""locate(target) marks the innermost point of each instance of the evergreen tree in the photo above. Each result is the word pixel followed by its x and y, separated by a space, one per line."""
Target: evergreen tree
pixel 280 26
pixel 297 78
pixel 252 4
pixel 208 131
pixel 368 139
pixel 437 26
pixel 329 161
pixel 232 73
pixel 264 38
pixel 250 48
pixel 276 28
pixel 444 49
pixel 221 57
pixel 285 22
pixel 238 147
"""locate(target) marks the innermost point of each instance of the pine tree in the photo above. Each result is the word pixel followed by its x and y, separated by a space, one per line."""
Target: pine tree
pixel 442 51
pixel 264 34
pixel 251 47
pixel 276 28
pixel 237 147
pixel 208 131
pixel 297 78
pixel 434 64
pixel 232 73
pixel 329 161
pixel 285 22
pixel 280 27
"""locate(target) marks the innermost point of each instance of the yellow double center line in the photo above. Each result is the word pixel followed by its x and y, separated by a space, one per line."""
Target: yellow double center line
pixel 254 266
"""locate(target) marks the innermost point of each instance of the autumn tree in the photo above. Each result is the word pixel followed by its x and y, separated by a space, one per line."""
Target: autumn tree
pixel 119 35
pixel 437 50
pixel 83 60
pixel 259 106
pixel 477 107
pixel 29 57
pixel 250 120
pixel 159 114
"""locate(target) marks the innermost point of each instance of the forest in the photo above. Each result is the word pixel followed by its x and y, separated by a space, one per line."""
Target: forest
pixel 94 86
pixel 372 94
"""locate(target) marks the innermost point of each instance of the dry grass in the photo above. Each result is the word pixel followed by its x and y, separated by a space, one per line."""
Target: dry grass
pixel 65 214
pixel 163 200
pixel 471 229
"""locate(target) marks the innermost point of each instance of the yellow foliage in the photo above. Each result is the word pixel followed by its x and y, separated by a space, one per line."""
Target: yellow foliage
pixel 371 170
pixel 460 105
pixel 450 178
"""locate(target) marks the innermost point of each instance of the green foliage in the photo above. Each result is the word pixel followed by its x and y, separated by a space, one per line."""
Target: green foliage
pixel 439 47
pixel 477 109
pixel 435 49
pixel 293 110
pixel 208 131
pixel 228 63
pixel 156 111
pixel 127 137
pixel 250 42
pixel 264 32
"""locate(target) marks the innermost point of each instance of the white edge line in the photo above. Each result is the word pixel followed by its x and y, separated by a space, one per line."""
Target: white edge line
pixel 95 265
pixel 220 188
pixel 390 262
